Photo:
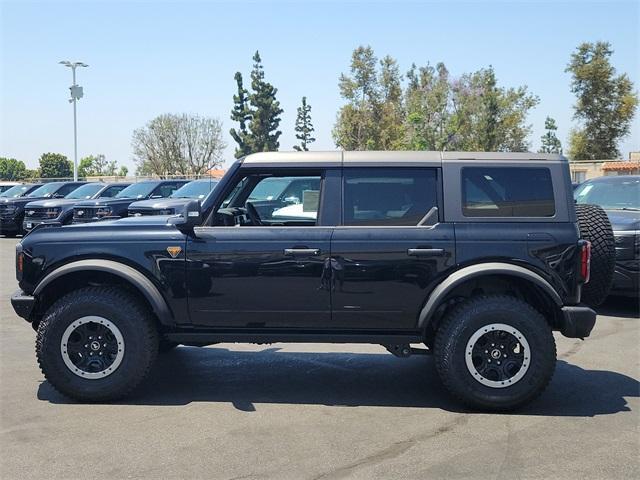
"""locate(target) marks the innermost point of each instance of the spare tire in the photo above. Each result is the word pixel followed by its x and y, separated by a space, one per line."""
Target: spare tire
pixel 595 227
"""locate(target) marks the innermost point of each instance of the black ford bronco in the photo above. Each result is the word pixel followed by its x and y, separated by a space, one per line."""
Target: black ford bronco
pixel 476 256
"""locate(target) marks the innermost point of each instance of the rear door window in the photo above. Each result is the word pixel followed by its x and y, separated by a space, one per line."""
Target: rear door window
pixel 388 196
pixel 507 192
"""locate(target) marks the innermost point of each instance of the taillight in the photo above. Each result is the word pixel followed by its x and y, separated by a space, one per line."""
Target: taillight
pixel 585 261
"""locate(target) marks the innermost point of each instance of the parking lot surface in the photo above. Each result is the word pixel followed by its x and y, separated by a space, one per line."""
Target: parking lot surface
pixel 307 411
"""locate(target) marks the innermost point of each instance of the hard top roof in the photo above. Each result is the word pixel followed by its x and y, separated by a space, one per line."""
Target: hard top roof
pixel 398 158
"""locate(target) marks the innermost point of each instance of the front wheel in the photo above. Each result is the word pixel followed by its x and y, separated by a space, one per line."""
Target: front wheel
pixel 495 352
pixel 96 344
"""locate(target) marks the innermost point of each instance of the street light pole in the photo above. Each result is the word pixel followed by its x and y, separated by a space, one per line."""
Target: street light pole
pixel 76 94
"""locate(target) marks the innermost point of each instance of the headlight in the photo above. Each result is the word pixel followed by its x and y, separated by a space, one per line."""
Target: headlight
pixel 103 212
pixel 166 211
pixel 10 209
pixel 52 212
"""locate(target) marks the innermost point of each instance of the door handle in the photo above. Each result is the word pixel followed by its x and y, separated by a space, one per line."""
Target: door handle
pixel 302 251
pixel 425 252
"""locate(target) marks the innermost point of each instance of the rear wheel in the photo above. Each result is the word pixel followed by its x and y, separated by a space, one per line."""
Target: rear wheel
pixel 96 344
pixel 495 352
pixel 595 227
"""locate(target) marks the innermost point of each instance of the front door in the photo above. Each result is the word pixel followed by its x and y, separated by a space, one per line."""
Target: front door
pixel 263 264
pixel 390 248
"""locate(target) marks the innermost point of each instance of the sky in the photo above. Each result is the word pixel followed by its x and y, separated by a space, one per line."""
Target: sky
pixel 148 58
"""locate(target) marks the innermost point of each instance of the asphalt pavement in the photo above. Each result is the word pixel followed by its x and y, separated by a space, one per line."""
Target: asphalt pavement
pixel 315 411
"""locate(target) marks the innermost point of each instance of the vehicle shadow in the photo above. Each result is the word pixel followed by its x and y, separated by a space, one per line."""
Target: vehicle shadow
pixel 246 379
pixel 624 307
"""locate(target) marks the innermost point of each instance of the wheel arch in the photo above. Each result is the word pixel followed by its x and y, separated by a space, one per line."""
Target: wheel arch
pixel 479 271
pixel 125 273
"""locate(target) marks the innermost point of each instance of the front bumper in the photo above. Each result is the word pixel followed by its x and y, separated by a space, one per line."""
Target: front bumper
pixel 9 225
pixel 577 321
pixel 23 304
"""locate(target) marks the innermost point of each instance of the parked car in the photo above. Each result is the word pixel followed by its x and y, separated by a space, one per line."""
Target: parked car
pixel 19 190
pixel 12 209
pixel 60 210
pixel 475 255
pixel 116 207
pixel 7 185
pixel 196 190
pixel 619 196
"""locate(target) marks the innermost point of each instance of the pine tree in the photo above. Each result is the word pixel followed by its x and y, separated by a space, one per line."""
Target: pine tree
pixel 241 114
pixel 265 111
pixel 304 127
pixel 550 142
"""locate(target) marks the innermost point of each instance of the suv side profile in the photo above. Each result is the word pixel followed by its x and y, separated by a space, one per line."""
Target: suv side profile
pixel 477 256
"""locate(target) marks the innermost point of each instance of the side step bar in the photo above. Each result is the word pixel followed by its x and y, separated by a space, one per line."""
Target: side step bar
pixel 211 337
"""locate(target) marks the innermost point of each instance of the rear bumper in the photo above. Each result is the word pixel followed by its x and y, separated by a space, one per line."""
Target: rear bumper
pixel 23 304
pixel 577 321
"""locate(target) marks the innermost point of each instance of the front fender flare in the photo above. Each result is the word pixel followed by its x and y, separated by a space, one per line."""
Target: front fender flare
pixel 482 269
pixel 145 286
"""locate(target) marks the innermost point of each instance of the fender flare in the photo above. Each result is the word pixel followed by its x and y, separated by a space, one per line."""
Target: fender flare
pixel 481 269
pixel 130 274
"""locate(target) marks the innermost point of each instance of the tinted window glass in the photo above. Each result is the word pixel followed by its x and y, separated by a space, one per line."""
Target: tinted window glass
pixel 165 190
pixel 66 190
pixel 388 196
pixel 113 190
pixel 15 191
pixel 287 199
pixel 507 192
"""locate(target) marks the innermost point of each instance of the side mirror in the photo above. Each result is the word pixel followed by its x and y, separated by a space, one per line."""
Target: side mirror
pixel 190 217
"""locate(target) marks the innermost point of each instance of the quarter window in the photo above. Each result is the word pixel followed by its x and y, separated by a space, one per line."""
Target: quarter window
pixel 507 192
pixel 388 196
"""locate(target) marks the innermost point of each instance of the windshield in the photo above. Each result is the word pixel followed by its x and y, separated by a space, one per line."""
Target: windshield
pixel 86 191
pixel 618 194
pixel 137 190
pixel 198 189
pixel 15 191
pixel 45 190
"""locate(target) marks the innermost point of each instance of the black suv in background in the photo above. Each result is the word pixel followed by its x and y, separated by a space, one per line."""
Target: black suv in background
pixel 12 210
pixel 619 196
pixel 174 203
pixel 475 255
pixel 60 210
pixel 102 208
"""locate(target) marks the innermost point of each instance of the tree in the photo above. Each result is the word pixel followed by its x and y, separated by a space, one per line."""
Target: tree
pixel 487 117
pixel 96 165
pixel 433 112
pixel 265 111
pixel 12 169
pixel 241 114
pixel 55 165
pixel 123 171
pixel 356 127
pixel 606 103
pixel 178 144
pixel 550 142
pixel 304 127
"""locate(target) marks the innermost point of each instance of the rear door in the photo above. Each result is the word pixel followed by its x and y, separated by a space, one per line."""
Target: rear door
pixel 390 248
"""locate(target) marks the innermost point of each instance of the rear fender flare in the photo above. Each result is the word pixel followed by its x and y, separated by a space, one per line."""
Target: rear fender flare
pixel 491 268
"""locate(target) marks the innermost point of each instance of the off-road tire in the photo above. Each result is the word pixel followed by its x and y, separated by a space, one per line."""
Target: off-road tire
pixel 127 313
pixel 595 227
pixel 457 329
